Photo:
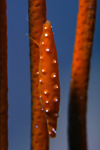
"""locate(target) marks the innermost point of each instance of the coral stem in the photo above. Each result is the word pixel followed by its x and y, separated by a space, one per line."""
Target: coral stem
pixel 80 74
pixel 3 78
pixel 39 133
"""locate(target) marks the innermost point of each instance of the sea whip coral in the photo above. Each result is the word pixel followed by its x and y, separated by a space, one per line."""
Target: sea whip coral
pixel 80 74
pixel 39 133
pixel 3 78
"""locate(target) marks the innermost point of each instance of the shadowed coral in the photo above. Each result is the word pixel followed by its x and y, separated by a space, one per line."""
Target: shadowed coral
pixel 3 78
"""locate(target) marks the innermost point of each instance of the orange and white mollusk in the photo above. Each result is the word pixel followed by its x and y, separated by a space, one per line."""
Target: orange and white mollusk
pixel 49 86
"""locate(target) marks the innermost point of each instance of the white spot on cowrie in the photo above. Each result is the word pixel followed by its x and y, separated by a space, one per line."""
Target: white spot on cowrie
pixel 54 61
pixel 56 115
pixel 53 75
pixel 43 70
pixel 49 132
pixel 47 110
pixel 47 102
pixel 37 72
pixel 46 34
pixel 45 27
pixel 56 99
pixel 40 57
pixel 45 92
pixel 55 86
pixel 47 49
pixel 42 42
pixel 54 130
pixel 40 80
pixel 40 96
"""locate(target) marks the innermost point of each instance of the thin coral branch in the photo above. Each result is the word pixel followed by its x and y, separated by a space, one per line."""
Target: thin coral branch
pixel 3 78
pixel 39 133
pixel 80 74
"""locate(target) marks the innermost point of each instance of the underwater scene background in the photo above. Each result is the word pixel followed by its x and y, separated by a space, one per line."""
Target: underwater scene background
pixel 63 17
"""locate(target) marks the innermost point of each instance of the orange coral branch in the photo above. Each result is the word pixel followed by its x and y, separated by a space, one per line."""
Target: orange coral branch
pixel 80 74
pixel 3 78
pixel 39 134
pixel 49 86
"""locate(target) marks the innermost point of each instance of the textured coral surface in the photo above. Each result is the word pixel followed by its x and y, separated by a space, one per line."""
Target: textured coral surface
pixel 80 74
pixel 39 134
